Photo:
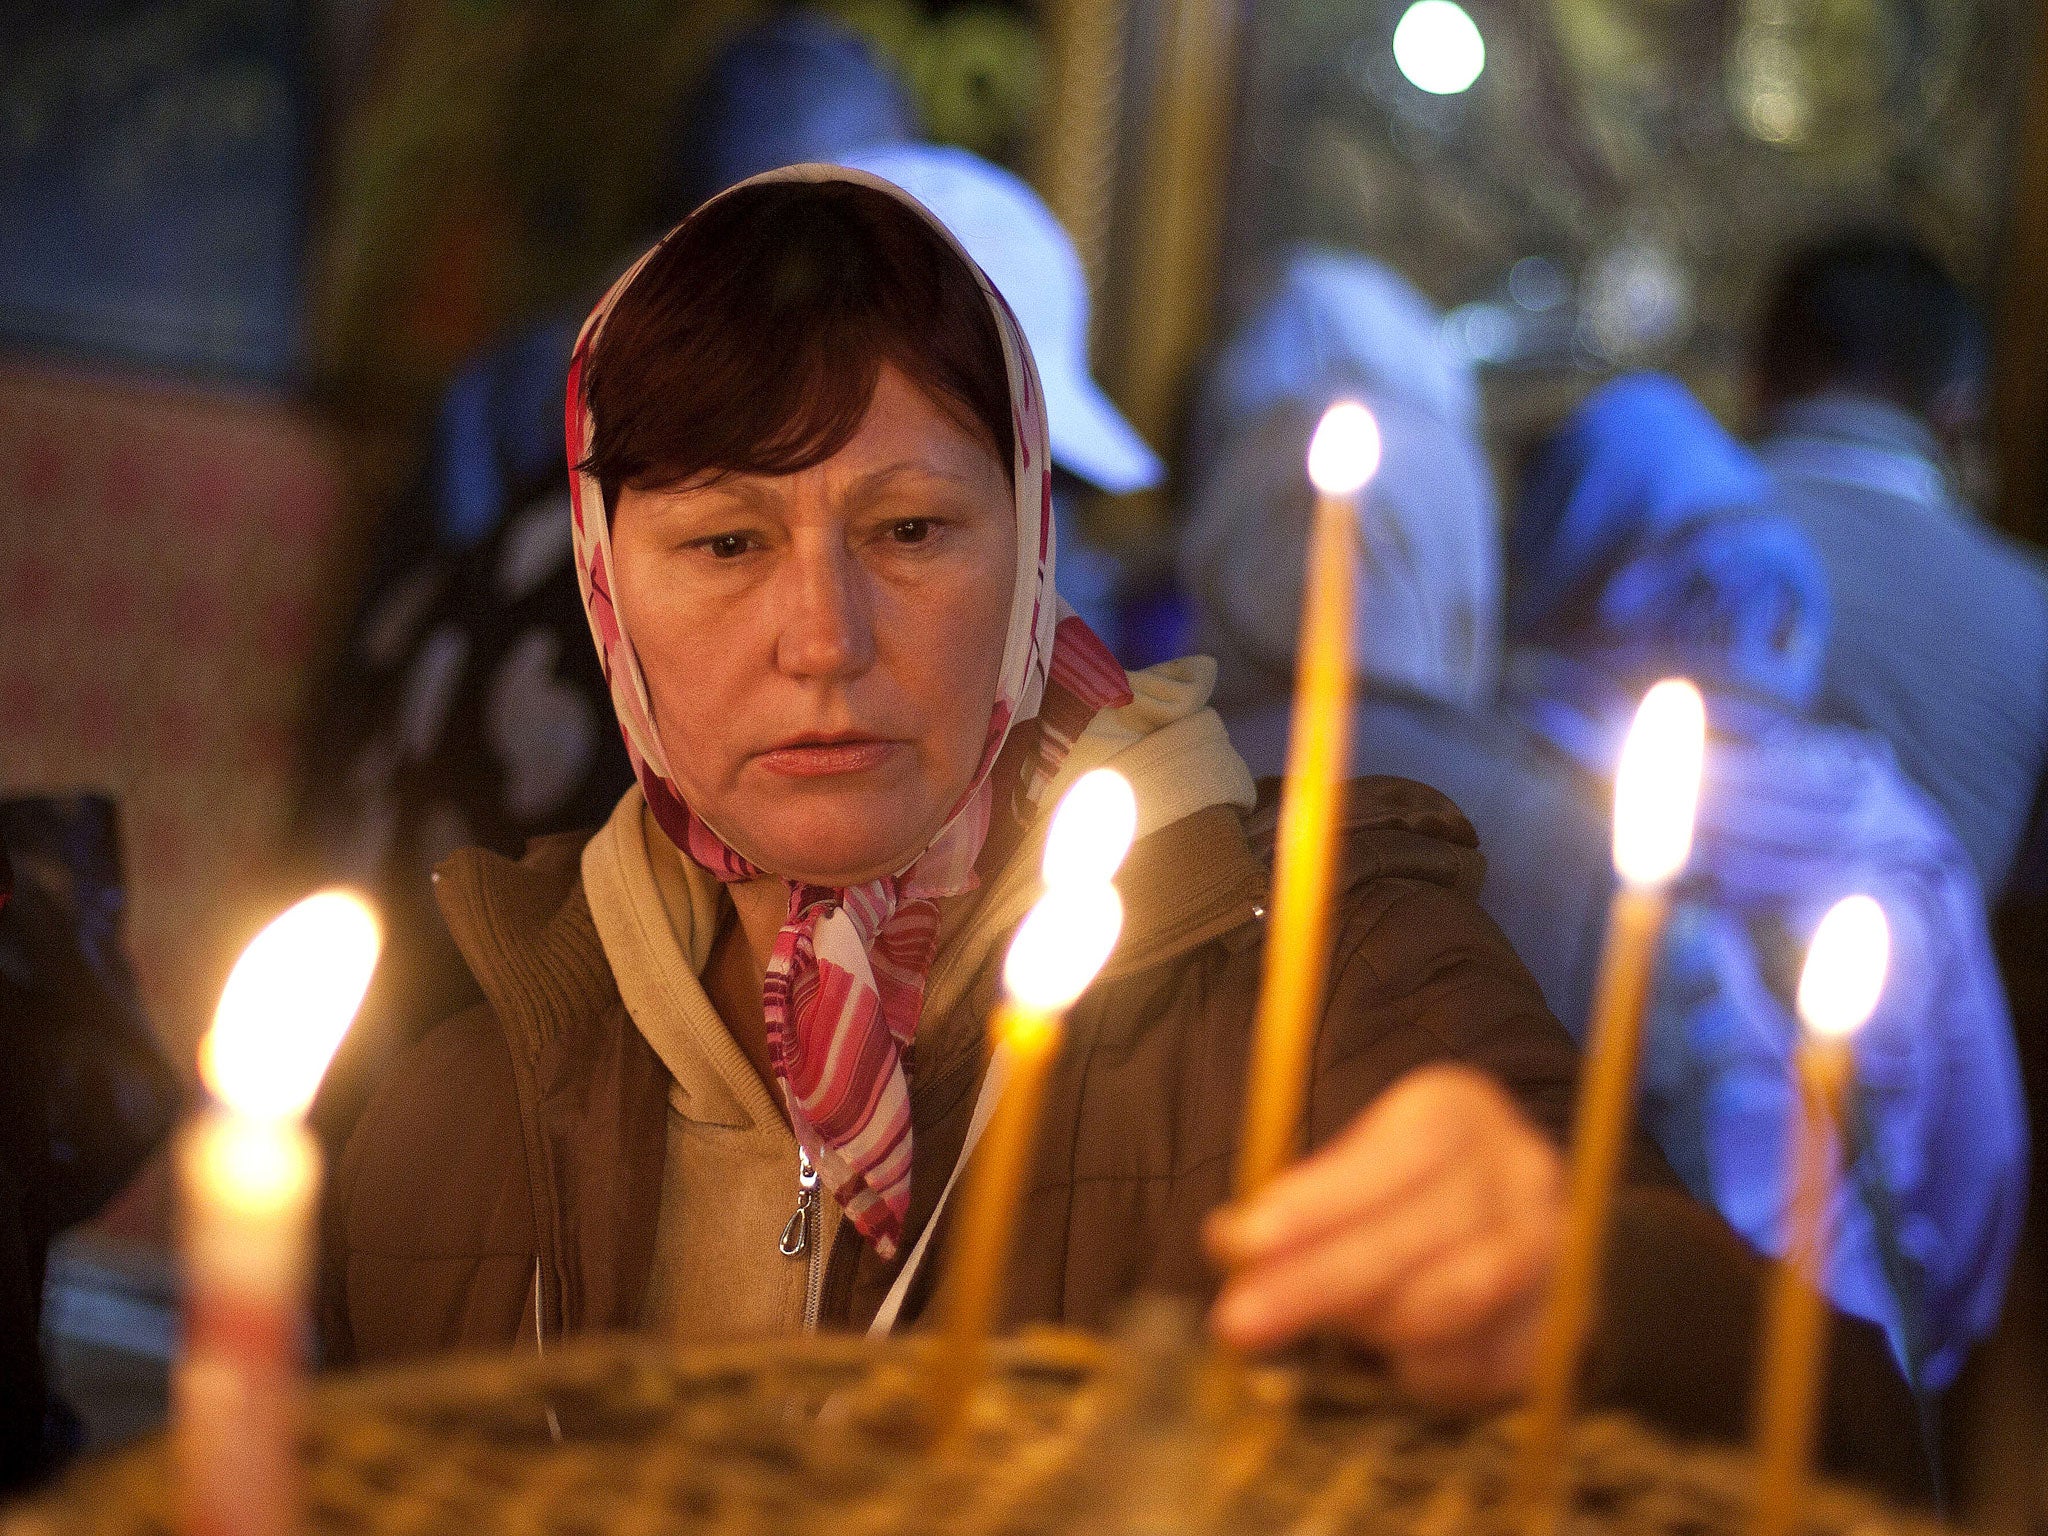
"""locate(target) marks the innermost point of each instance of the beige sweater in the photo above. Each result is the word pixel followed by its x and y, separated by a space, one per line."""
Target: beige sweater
pixel 729 1181
pixel 729 1184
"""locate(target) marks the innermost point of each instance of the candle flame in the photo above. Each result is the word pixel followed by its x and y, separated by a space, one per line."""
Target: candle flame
pixel 1845 967
pixel 1061 945
pixel 288 1002
pixel 1091 830
pixel 1025 1029
pixel 1345 452
pixel 258 1167
pixel 1657 787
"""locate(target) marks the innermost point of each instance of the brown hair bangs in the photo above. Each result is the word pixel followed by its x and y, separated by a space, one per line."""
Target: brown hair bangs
pixel 751 341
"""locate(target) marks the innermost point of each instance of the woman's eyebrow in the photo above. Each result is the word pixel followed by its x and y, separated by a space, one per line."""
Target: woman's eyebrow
pixel 865 488
pixel 744 495
pixel 721 498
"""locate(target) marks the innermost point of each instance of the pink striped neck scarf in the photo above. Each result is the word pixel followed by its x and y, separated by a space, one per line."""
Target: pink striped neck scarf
pixel 846 978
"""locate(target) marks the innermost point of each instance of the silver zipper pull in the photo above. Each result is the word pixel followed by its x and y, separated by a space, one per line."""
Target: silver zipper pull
pixel 796 1233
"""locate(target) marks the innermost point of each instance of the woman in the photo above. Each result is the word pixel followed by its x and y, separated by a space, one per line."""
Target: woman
pixel 732 1041
pixel 1647 545
pixel 467 706
pixel 1426 642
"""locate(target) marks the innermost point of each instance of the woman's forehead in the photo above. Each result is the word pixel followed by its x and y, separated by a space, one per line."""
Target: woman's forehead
pixel 906 444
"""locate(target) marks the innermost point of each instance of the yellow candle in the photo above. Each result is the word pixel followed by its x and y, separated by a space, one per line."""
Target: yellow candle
pixel 1656 795
pixel 1027 1041
pixel 1838 990
pixel 1343 456
pixel 249 1178
pixel 1060 947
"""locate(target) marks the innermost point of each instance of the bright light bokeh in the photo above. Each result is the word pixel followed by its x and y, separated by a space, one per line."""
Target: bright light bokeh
pixel 288 1002
pixel 1657 787
pixel 1345 452
pixel 1438 48
pixel 1845 967
pixel 1062 944
pixel 1091 830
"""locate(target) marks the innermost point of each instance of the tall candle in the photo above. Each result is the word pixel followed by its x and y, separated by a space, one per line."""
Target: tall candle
pixel 249 1177
pixel 1656 797
pixel 1342 457
pixel 1060 947
pixel 1838 991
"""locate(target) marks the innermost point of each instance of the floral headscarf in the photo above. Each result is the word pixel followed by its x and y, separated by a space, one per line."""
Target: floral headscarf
pixel 846 978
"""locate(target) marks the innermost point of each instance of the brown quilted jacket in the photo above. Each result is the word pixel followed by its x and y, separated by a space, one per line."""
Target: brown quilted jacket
pixel 506 1176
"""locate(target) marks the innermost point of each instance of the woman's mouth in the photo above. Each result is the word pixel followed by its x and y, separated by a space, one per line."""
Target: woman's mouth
pixel 823 756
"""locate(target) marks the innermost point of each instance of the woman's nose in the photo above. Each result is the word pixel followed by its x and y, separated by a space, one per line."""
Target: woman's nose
pixel 827 628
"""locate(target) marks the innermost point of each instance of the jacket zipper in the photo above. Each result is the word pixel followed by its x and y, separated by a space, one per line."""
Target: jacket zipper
pixel 540 1349
pixel 800 1236
pixel 539 1331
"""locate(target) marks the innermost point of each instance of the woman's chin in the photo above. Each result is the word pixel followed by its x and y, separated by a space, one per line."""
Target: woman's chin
pixel 816 868
pixel 838 850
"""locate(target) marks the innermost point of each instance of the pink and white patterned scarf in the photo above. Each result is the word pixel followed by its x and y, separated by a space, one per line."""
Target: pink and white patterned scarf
pixel 846 978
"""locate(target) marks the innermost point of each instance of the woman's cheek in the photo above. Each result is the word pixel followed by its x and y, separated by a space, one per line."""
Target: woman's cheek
pixel 956 645
pixel 693 668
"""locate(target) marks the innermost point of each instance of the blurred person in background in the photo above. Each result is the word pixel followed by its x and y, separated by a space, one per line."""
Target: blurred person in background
pixel 1870 367
pixel 1648 543
pixel 468 706
pixel 1426 639
pixel 86 1094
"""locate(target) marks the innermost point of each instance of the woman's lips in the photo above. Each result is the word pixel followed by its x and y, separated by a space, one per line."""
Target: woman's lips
pixel 822 759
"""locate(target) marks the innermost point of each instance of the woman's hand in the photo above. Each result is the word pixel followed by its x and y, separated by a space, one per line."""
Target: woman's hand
pixel 1427 1231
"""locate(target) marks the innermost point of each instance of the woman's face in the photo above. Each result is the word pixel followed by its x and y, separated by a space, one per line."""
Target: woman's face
pixel 822 649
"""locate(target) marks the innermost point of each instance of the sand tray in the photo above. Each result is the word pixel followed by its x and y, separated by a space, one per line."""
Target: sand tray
pixel 1071 1434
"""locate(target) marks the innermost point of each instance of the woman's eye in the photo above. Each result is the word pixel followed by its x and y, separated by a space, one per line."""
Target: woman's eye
pixel 726 546
pixel 912 530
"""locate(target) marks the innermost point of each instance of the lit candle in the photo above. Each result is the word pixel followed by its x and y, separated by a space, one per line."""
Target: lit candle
pixel 1342 457
pixel 1656 796
pixel 249 1175
pixel 1838 991
pixel 1061 945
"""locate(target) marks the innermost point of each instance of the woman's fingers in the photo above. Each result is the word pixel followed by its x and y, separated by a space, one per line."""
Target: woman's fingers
pixel 1347 1274
pixel 1401 1140
pixel 1439 1255
pixel 1470 1291
pixel 1479 1372
pixel 1464 1295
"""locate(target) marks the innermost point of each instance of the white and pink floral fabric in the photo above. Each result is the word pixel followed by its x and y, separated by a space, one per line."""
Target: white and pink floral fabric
pixel 846 980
